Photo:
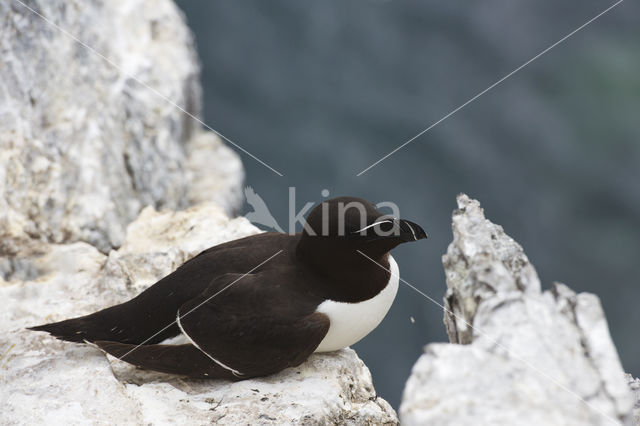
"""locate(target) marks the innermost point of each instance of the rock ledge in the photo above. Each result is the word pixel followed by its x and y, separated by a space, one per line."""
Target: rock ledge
pixel 43 380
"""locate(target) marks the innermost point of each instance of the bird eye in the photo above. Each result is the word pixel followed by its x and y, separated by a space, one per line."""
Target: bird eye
pixel 386 226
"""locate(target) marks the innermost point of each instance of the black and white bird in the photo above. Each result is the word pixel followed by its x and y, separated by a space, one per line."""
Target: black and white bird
pixel 321 290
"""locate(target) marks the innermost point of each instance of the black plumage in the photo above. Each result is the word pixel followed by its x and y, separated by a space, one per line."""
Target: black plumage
pixel 248 306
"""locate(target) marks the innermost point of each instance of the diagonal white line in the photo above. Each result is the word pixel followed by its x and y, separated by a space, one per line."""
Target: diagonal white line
pixel 491 87
pixel 137 80
pixel 207 300
pixel 498 344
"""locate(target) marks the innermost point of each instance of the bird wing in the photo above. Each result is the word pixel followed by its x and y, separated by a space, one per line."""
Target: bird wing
pixel 250 195
pixel 248 325
pixel 261 213
pixel 184 360
pixel 239 327
pixel 141 319
pixel 256 201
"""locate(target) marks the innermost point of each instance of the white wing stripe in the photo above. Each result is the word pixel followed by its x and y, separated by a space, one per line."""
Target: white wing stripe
pixel 235 372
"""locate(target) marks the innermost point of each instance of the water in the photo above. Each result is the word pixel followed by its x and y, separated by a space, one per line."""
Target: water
pixel 321 90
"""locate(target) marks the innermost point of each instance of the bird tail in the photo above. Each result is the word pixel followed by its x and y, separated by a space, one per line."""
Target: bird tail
pixel 64 330
pixel 113 325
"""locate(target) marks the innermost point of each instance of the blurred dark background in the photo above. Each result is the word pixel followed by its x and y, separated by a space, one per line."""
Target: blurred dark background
pixel 321 89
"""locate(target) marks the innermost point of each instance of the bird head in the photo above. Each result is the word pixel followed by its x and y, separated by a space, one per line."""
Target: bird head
pixel 345 225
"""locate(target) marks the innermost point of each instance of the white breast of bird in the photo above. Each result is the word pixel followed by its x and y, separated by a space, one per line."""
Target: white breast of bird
pixel 350 322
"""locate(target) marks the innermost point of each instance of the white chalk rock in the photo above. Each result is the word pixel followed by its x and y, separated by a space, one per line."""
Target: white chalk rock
pixel 84 146
pixel 88 139
pixel 520 356
pixel 634 384
pixel 46 381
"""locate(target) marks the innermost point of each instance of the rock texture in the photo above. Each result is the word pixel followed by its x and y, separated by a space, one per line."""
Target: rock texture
pixel 43 380
pixel 634 384
pixel 84 146
pixel 86 141
pixel 522 356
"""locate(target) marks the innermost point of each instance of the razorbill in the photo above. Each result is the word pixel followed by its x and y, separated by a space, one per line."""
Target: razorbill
pixel 257 305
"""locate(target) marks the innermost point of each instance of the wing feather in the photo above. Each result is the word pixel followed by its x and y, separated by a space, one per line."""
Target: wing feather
pixel 250 327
